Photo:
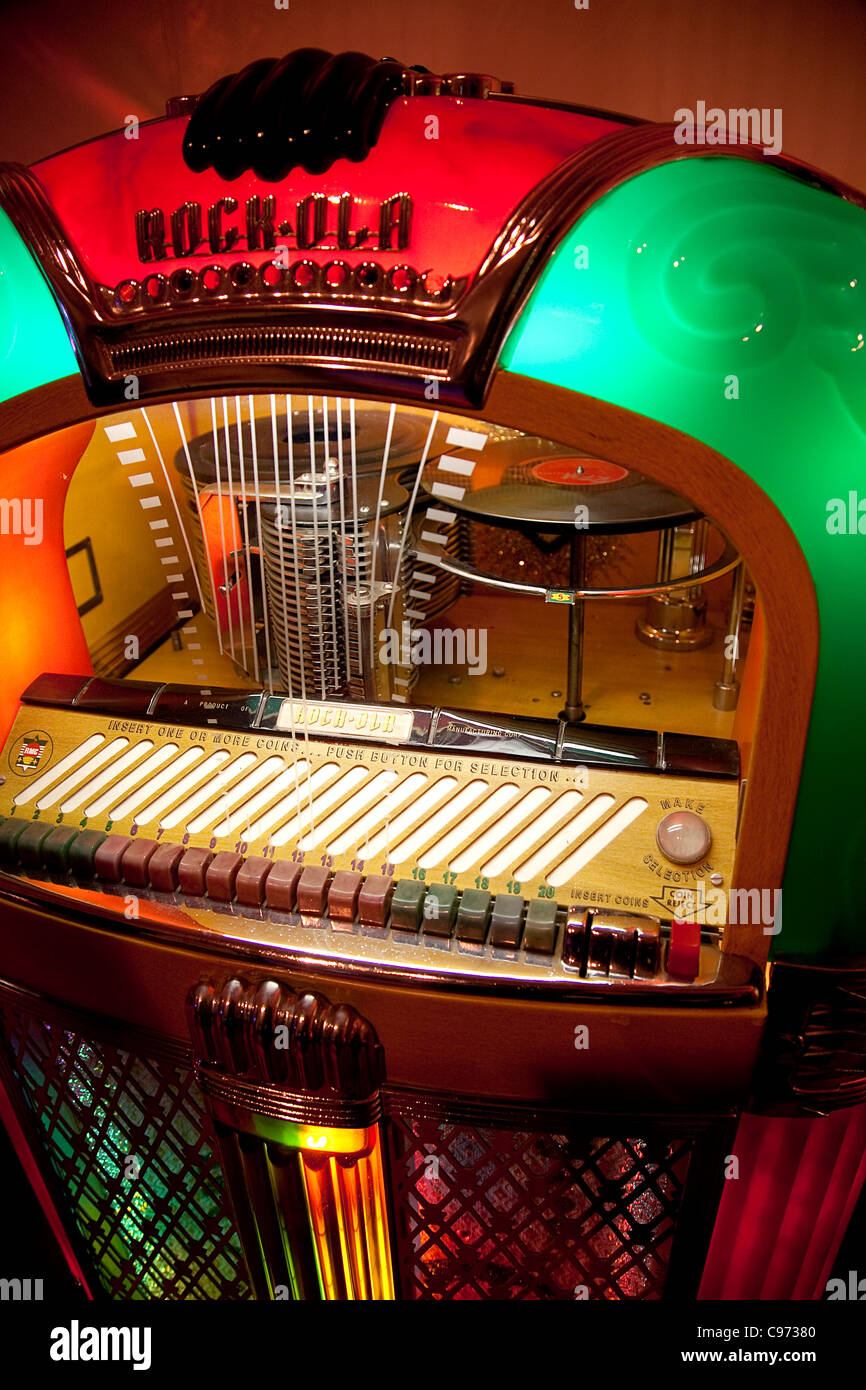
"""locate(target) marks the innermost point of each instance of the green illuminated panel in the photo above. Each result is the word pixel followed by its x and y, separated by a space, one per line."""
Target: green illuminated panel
pixel 34 342
pixel 725 298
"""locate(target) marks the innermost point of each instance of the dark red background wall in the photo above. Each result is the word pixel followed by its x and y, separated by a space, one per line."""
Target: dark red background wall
pixel 74 68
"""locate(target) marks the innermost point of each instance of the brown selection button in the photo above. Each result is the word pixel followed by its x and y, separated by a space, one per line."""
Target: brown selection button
pixel 280 885
pixel 162 867
pixel 251 879
pixel 374 900
pixel 191 871
pixel 343 895
pixel 136 858
pixel 221 875
pixel 313 891
pixel 108 859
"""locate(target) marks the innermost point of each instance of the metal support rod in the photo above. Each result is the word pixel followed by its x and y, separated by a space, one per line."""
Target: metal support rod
pixel 574 710
pixel 665 555
pixel 727 691
pixel 698 557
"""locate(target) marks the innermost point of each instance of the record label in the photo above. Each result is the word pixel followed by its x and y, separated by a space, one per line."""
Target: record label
pixel 578 472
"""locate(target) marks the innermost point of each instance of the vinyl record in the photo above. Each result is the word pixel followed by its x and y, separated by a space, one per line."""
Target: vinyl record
pixel 371 430
pixel 518 486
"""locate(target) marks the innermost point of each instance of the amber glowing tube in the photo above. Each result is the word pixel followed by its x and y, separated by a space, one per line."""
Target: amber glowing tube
pixel 345 1195
pixel 290 1203
pixel 346 1177
pixel 375 1222
pixel 317 1184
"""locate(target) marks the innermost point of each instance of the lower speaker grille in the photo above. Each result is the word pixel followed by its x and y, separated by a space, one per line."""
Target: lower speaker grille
pixel 486 1202
pixel 129 1141
pixel 500 1214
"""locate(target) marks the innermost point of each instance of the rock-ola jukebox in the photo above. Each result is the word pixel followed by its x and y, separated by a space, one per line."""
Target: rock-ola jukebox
pixel 432 598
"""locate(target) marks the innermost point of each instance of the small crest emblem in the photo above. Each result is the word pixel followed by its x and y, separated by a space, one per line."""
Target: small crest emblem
pixel 31 751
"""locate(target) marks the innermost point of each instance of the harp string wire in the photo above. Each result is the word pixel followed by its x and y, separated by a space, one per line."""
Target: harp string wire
pixel 232 555
pixel 375 537
pixel 216 454
pixel 410 511
pixel 344 549
pixel 311 425
pixel 353 448
pixel 265 617
pixel 336 568
pixel 248 559
pixel 301 646
pixel 337 559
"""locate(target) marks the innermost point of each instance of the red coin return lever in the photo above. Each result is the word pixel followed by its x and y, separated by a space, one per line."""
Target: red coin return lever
pixel 684 951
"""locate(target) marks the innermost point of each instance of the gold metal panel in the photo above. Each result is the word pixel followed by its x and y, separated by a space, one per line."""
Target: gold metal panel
pixel 550 817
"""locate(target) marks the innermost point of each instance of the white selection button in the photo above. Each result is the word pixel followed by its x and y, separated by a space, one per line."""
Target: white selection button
pixel 683 837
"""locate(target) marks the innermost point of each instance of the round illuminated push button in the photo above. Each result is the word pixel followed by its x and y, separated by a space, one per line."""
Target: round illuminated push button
pixel 683 837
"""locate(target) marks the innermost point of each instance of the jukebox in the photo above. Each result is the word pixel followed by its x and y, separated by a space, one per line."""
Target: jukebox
pixel 431 793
